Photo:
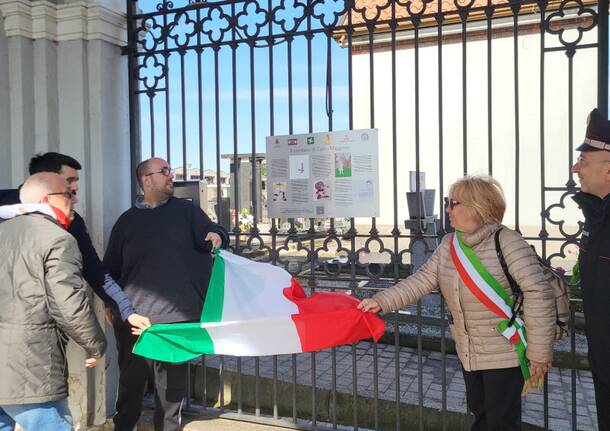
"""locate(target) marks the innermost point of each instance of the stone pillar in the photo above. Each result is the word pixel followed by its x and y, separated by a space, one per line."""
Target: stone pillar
pixel 5 112
pixel 63 87
pixel 21 99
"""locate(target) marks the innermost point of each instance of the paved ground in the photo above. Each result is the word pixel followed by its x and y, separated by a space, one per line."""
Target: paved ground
pixel 559 388
pixel 209 423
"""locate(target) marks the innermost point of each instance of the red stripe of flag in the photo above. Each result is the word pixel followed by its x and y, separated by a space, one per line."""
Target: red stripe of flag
pixel 330 318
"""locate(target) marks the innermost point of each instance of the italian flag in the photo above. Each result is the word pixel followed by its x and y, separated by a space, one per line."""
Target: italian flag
pixel 256 309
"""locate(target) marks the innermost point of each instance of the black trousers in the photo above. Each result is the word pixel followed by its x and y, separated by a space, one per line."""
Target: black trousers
pixel 169 380
pixel 602 401
pixel 494 397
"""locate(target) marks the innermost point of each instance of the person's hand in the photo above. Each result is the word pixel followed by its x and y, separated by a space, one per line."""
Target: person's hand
pixel 369 305
pixel 108 315
pixel 536 380
pixel 215 239
pixel 138 323
pixel 91 362
pixel 539 368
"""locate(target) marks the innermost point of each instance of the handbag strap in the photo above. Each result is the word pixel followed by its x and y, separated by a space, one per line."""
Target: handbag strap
pixel 516 309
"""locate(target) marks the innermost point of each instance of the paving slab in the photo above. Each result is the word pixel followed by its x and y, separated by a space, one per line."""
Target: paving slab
pixel 559 395
pixel 209 423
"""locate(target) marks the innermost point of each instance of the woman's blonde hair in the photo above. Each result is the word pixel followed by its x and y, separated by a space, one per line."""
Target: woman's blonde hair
pixel 483 194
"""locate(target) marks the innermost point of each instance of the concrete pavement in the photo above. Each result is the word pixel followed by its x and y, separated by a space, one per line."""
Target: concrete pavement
pixel 209 423
pixel 559 388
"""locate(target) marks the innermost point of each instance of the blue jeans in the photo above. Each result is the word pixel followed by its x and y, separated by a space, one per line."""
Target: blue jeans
pixel 51 416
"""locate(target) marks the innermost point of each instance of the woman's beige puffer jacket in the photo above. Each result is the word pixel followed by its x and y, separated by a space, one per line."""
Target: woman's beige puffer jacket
pixel 479 344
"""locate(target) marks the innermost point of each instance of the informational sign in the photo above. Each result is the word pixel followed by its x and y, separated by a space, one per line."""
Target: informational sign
pixel 317 175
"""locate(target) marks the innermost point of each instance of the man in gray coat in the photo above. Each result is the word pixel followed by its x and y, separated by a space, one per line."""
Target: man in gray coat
pixel 42 302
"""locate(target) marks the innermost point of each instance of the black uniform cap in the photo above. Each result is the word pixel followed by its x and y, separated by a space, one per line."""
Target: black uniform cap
pixel 598 133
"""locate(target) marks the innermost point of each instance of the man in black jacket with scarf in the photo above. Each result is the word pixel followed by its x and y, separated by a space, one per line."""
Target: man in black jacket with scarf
pixel 593 169
pixel 159 252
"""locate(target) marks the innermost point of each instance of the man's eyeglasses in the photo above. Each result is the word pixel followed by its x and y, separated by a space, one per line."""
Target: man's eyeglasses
pixel 66 194
pixel 165 171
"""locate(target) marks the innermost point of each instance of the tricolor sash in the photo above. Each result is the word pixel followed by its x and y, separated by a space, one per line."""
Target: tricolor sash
pixel 492 295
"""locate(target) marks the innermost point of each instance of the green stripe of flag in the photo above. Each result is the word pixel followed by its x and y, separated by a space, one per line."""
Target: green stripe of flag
pixel 214 300
pixel 174 342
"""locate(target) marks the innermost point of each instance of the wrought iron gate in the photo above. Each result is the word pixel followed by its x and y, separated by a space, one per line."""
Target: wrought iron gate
pixel 445 81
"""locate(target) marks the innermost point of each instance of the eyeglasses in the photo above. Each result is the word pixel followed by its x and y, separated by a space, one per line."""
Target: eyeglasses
pixel 451 203
pixel 165 171
pixel 66 194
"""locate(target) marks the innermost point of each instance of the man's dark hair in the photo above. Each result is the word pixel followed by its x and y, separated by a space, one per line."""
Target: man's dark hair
pixel 141 170
pixel 52 162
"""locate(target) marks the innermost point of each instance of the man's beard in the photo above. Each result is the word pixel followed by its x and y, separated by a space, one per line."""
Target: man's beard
pixel 168 191
pixel 163 193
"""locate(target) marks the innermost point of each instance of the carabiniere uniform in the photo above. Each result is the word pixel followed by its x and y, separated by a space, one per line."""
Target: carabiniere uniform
pixel 594 257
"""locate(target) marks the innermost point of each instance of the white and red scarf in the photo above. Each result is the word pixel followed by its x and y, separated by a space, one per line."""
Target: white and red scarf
pixel 11 211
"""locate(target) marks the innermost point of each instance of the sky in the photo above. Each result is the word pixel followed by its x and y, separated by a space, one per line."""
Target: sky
pixel 253 103
pixel 252 83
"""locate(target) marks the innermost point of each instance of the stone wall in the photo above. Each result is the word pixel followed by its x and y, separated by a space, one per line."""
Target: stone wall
pixel 63 87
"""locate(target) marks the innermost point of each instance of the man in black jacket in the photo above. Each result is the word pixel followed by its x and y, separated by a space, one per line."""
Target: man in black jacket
pixel 593 169
pixel 159 251
pixel 93 271
pixel 9 197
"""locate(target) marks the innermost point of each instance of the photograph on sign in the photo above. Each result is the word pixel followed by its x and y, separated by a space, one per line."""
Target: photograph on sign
pixel 365 190
pixel 299 167
pixel 279 192
pixel 321 190
pixel 343 165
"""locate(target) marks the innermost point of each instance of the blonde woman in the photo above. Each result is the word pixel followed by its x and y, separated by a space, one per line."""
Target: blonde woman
pixel 493 348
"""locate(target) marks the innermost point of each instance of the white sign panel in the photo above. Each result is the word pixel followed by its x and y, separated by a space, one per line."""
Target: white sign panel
pixel 315 175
